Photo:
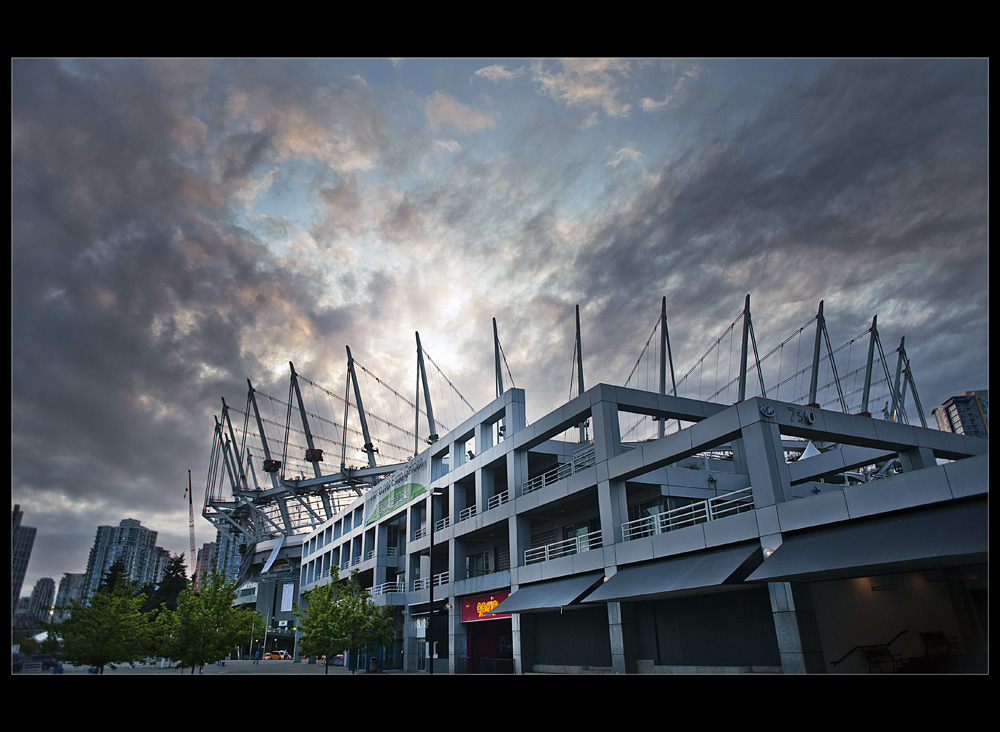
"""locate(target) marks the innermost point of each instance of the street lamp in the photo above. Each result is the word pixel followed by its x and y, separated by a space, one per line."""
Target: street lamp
pixel 430 585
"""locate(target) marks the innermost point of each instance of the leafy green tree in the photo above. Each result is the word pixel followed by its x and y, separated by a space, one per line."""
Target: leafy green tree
pixel 27 644
pixel 205 627
pixel 50 644
pixel 109 631
pixel 340 616
pixel 319 621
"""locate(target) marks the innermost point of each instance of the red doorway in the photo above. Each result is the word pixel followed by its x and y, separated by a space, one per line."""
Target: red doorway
pixel 489 638
pixel 490 646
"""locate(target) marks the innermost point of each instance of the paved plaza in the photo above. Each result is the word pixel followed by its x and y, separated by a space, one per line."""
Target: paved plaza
pixel 279 668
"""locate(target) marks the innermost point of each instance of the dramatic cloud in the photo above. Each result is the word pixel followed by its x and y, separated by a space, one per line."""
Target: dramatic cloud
pixel 181 226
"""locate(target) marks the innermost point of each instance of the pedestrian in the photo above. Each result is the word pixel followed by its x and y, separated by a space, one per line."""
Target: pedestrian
pixel 256 657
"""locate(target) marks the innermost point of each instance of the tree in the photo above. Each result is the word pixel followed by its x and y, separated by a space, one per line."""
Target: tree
pixel 27 644
pixel 340 616
pixel 116 572
pixel 319 621
pixel 111 630
pixel 206 627
pixel 174 581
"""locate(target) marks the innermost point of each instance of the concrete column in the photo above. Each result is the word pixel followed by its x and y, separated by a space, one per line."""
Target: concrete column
pixel 484 488
pixel 457 644
pixel 796 628
pixel 519 535
pixel 516 413
pixel 458 456
pixel 413 646
pixel 624 637
pixel 765 463
pixel 606 431
pixel 522 636
pixel 484 437
pixel 517 472
pixel 612 503
pixel 456 559
pixel 381 553
pixel 917 458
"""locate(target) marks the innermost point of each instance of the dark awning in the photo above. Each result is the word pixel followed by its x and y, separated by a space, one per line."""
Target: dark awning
pixel 907 541
pixel 418 609
pixel 697 571
pixel 549 595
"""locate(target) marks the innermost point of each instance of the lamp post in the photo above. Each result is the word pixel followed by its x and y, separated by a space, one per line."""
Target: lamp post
pixel 430 585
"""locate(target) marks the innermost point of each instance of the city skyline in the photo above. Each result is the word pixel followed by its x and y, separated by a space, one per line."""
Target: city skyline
pixel 180 226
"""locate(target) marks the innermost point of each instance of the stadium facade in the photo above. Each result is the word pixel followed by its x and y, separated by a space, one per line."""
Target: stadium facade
pixel 741 534
pixel 734 544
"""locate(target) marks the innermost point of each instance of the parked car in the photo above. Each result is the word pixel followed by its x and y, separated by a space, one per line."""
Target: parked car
pixel 277 656
pixel 337 660
pixel 45 659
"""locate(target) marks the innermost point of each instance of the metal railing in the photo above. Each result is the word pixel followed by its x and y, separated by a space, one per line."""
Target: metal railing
pixel 440 524
pixel 582 459
pixel 466 513
pixel 564 548
pixel 398 585
pixel 439 579
pixel 729 504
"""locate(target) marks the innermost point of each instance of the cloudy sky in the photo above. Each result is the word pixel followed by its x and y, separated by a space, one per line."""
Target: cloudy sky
pixel 180 226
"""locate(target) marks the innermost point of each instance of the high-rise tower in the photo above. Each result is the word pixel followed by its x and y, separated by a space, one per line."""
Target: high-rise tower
pixel 966 414
pixel 22 540
pixel 131 542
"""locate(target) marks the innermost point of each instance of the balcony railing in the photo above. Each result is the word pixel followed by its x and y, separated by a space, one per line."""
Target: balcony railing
pixel 398 585
pixel 439 579
pixel 582 459
pixel 493 502
pixel 564 548
pixel 729 504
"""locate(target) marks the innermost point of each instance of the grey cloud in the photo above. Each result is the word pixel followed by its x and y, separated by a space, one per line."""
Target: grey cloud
pixel 138 299
pixel 124 287
pixel 830 168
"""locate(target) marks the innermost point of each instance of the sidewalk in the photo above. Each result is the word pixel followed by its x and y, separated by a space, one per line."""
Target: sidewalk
pixel 272 668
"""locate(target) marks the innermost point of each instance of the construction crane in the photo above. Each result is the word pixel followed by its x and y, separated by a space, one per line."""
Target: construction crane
pixel 194 558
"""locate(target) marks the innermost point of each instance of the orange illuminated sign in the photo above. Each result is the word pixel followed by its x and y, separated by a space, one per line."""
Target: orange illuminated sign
pixel 481 607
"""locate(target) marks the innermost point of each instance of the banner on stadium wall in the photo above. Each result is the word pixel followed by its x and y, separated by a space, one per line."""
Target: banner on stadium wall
pixel 479 607
pixel 397 490
pixel 287 596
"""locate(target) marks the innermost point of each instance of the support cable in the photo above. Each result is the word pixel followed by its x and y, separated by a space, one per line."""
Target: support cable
pixel 438 369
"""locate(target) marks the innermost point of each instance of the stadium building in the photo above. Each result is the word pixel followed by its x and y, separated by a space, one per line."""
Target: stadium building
pixel 745 535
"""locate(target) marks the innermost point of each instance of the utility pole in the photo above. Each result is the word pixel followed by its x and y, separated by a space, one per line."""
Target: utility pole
pixel 194 557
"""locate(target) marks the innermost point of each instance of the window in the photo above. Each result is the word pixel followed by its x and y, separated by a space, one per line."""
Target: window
pixel 581 530
pixel 477 565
